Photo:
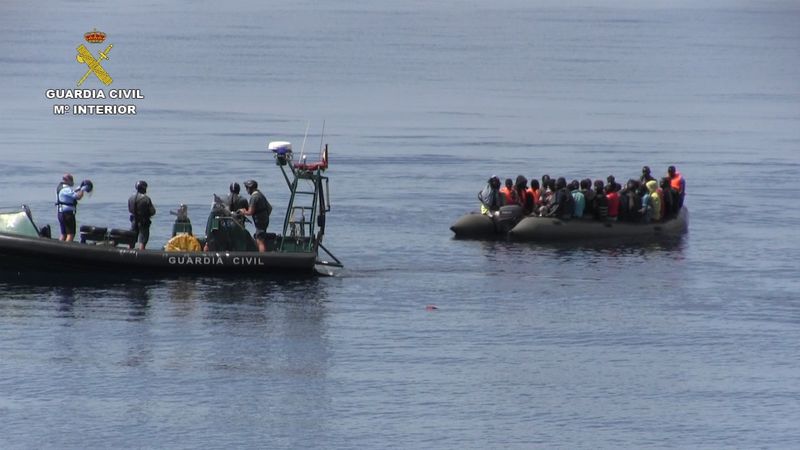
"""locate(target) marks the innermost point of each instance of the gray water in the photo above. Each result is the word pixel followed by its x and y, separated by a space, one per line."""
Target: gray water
pixel 688 344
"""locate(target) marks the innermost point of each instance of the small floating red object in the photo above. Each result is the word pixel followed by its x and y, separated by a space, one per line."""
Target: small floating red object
pixel 431 307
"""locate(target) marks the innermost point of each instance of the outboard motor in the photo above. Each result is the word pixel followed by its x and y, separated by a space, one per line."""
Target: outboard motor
pixel 508 217
pixel 182 223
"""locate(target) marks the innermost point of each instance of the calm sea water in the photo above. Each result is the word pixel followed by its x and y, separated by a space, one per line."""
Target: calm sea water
pixel 687 344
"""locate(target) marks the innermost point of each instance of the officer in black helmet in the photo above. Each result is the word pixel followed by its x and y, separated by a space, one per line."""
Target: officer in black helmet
pixel 235 202
pixel 259 209
pixel 141 208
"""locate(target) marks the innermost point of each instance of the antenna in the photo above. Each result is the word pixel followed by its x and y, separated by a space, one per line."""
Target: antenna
pixel 303 148
pixel 321 138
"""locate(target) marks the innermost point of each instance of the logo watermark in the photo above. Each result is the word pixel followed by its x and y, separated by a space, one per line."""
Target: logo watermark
pixel 94 67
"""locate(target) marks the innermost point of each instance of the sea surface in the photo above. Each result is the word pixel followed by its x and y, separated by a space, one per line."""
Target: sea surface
pixel 421 341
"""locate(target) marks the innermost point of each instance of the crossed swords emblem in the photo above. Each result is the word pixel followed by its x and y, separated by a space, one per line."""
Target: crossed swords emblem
pixel 85 57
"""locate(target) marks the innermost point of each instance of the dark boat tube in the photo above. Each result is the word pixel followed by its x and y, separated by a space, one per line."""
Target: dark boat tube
pixel 482 226
pixel 23 254
pixel 549 229
pixel 474 225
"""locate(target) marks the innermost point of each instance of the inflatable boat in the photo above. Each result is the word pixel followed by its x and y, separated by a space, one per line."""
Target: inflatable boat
pixel 510 223
pixel 227 247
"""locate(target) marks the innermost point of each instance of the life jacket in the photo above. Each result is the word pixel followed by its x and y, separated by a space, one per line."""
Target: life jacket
pixel 508 195
pixel 676 182
pixel 141 208
pixel 263 209
pixel 70 202
pixel 534 195
pixel 613 204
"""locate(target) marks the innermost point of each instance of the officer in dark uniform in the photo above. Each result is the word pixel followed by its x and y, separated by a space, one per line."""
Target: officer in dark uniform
pixel 235 202
pixel 141 208
pixel 259 209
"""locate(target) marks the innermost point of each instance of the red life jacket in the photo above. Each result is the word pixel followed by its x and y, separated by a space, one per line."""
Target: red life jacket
pixel 613 204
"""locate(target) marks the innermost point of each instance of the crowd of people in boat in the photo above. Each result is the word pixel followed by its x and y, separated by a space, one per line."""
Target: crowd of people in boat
pixel 141 208
pixel 645 199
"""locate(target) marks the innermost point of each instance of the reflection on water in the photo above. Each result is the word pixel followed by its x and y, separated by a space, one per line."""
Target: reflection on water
pixel 139 296
pixel 498 251
pixel 165 350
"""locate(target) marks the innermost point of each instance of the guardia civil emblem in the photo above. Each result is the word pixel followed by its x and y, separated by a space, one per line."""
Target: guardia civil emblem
pixel 84 56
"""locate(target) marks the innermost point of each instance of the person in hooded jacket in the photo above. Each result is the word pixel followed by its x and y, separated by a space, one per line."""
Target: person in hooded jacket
pixel 651 203
pixel 490 197
pixel 521 194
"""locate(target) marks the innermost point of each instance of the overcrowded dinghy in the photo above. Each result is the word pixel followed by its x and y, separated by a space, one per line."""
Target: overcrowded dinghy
pixel 510 223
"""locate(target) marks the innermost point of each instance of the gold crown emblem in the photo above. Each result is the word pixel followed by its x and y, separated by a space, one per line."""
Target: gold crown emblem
pixel 95 37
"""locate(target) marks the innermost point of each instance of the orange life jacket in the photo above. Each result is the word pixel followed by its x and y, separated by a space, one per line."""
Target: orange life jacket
pixel 508 196
pixel 534 193
pixel 675 182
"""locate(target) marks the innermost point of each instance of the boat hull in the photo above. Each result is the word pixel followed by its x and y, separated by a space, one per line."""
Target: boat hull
pixel 549 229
pixel 475 225
pixel 23 254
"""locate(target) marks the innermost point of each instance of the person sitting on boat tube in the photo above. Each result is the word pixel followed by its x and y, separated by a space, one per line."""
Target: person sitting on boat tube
pixel 259 209
pixel 651 203
pixel 141 208
pixel 507 191
pixel 678 183
pixel 67 202
pixel 490 197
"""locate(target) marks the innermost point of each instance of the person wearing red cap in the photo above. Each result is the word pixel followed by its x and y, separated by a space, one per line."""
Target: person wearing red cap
pixel 67 203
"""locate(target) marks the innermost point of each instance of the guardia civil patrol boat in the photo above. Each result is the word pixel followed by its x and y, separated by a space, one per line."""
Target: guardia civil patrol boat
pixel 226 249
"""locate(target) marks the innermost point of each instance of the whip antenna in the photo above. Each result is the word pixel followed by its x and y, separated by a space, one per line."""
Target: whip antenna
pixel 303 148
pixel 321 138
